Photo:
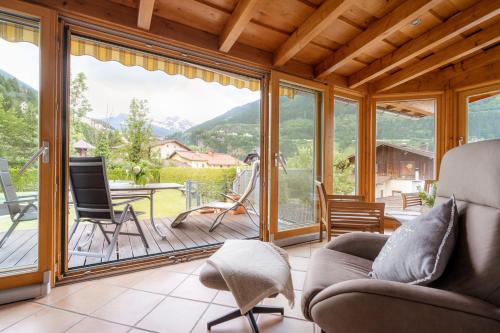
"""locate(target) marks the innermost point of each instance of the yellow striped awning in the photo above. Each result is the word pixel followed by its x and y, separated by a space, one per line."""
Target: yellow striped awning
pixel 14 32
pixel 150 62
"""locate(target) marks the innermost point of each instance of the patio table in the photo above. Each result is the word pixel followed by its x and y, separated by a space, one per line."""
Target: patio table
pixel 126 190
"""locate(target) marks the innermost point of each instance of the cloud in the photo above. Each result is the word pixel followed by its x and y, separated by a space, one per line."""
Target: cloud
pixel 113 85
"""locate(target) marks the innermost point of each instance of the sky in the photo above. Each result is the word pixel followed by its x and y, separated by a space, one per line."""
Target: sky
pixel 112 86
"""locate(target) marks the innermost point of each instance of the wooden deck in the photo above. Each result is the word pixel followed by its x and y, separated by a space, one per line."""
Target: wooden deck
pixel 21 248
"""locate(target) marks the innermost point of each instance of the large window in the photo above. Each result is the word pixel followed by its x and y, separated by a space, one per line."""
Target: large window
pixel 405 150
pixel 345 145
pixel 483 116
pixel 19 140
pixel 180 136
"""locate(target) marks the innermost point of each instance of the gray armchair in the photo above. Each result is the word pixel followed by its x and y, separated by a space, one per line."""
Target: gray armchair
pixel 340 297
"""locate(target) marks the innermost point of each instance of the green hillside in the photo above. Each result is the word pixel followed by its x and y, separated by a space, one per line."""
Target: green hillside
pixel 18 119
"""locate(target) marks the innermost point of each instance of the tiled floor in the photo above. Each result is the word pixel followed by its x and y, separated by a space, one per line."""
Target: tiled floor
pixel 168 299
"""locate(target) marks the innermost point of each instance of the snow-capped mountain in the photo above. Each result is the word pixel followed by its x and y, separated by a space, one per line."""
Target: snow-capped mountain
pixel 162 128
pixel 174 124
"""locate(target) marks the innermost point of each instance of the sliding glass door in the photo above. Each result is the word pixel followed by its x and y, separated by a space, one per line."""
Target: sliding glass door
pixel 180 140
pixel 296 110
pixel 26 137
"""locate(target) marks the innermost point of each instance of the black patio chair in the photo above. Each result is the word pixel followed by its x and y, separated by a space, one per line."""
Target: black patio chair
pixel 21 208
pixel 93 203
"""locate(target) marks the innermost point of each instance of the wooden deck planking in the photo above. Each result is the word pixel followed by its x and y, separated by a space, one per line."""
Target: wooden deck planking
pixel 21 248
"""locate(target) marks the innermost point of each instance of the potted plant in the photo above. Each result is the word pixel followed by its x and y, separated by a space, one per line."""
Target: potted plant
pixel 428 198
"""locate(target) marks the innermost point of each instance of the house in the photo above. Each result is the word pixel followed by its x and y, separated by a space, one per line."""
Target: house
pixel 203 160
pixel 165 148
pixel 400 168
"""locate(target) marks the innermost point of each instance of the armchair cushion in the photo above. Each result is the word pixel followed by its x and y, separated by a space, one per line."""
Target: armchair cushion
pixel 386 306
pixel 417 252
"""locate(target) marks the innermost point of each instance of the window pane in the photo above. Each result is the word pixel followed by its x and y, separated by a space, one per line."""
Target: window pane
pixel 483 117
pixel 405 151
pixel 345 143
pixel 161 122
pixel 297 148
pixel 19 140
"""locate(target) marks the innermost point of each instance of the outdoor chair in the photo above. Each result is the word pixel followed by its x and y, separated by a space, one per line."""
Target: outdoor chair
pixel 93 203
pixel 21 208
pixel 225 207
pixel 346 213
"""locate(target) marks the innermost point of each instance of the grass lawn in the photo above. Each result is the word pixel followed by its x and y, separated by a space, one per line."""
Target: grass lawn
pixel 167 203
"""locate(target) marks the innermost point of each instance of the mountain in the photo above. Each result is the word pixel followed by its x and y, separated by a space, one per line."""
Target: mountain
pixel 165 127
pixel 172 124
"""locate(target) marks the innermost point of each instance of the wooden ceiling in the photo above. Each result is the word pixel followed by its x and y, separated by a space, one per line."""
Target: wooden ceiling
pixel 379 43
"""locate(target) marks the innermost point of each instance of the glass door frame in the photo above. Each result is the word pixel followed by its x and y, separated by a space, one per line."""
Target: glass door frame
pixel 68 28
pixel 369 137
pixel 47 132
pixel 463 108
pixel 322 132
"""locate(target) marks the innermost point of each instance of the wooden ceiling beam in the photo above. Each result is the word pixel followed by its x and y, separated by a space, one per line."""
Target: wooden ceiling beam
pixel 239 19
pixel 375 33
pixel 448 55
pixel 315 24
pixel 442 79
pixel 457 24
pixel 145 14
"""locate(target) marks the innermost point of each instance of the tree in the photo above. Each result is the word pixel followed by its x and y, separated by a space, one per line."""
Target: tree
pixel 102 147
pixel 138 131
pixel 79 106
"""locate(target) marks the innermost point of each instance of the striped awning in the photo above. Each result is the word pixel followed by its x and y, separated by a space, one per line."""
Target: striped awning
pixel 14 32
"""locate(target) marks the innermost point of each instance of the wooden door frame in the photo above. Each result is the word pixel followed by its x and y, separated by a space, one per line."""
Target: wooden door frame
pixel 324 117
pixel 463 95
pixel 47 132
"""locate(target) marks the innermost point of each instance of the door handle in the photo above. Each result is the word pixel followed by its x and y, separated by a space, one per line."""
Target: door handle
pixel 43 151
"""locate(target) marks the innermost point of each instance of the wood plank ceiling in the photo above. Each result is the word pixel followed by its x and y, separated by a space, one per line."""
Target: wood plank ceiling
pixel 380 43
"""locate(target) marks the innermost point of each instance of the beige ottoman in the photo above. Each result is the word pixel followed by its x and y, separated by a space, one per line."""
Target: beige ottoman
pixel 211 278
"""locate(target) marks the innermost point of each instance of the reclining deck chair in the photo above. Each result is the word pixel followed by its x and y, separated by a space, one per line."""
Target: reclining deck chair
pixel 21 208
pixel 227 206
pixel 93 203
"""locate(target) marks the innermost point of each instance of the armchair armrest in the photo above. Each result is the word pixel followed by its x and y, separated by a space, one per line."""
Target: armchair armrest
pixel 360 244
pixel 386 306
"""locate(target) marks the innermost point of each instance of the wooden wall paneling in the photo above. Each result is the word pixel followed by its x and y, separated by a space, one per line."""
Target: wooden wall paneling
pixel 459 50
pixel 374 34
pixel 456 74
pixel 168 33
pixel 451 28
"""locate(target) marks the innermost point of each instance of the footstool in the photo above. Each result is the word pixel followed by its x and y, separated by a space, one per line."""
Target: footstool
pixel 211 278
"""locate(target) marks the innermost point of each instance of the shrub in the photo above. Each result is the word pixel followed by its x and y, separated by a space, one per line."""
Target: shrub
pixel 28 181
